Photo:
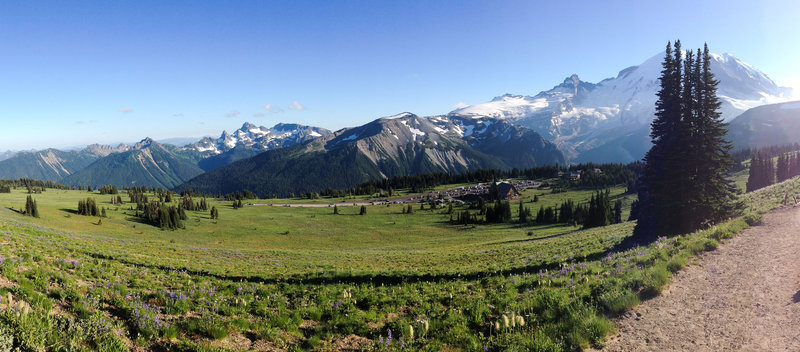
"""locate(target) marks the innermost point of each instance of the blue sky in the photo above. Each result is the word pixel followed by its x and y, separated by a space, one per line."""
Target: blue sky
pixel 74 73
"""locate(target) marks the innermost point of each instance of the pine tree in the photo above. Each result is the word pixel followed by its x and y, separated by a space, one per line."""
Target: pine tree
pixel 683 186
pixel 336 210
pixel 618 212
pixel 663 130
pixel 31 208
pixel 713 193
pixel 363 210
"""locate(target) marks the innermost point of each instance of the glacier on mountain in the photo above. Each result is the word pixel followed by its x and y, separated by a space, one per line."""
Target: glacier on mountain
pixel 609 121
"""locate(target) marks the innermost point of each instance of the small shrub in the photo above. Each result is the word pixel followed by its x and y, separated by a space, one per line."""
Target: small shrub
pixel 753 219
pixel 710 244
pixel 677 263
pixel 619 300
pixel 218 331
pixel 170 332
pixel 722 234
pixel 654 281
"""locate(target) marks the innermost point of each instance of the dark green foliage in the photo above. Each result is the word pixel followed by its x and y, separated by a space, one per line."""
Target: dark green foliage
pixel 31 209
pixel 764 171
pixel 618 212
pixel 162 215
pixel 524 213
pixel 761 173
pixel 499 213
pixel 567 212
pixel 108 189
pixel 599 212
pixel 214 213
pixel 683 186
pixel 246 194
pixel 88 207
pixel 363 210
pixel 466 217
pixel 336 210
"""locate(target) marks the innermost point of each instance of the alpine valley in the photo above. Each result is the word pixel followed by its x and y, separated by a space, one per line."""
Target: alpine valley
pixel 575 121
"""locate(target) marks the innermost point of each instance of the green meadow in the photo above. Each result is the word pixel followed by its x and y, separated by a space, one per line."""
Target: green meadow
pixel 302 278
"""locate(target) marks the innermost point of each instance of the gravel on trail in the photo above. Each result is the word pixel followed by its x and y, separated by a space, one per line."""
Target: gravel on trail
pixel 744 296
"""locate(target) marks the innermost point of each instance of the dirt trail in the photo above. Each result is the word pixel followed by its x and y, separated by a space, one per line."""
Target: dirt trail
pixel 745 296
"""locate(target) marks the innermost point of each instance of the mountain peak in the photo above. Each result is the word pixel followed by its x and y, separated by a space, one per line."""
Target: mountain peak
pixel 399 116
pixel 248 126
pixel 144 143
pixel 609 121
pixel 573 79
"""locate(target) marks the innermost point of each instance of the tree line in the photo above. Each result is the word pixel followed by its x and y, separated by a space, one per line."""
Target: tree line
pixel 597 212
pixel 610 175
pixel 764 171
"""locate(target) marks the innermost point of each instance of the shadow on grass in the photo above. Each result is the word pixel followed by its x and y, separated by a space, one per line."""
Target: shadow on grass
pixel 71 211
pixel 15 210
pixel 530 239
pixel 359 278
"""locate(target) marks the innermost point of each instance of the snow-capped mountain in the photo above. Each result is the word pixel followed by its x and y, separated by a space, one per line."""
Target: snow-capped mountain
pixel 609 121
pixel 403 144
pixel 258 137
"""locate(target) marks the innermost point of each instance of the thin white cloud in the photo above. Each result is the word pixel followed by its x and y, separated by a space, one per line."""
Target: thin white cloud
pixel 126 110
pixel 296 106
pixel 258 114
pixel 273 109
pixel 233 114
pixel 83 122
pixel 177 115
pixel 459 105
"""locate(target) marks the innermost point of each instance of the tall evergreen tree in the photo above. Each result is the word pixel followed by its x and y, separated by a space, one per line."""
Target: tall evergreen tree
pixel 713 193
pixel 684 186
pixel 618 212
pixel 662 132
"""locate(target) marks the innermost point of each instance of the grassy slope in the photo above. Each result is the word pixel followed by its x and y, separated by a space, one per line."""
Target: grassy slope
pixel 562 282
pixel 303 240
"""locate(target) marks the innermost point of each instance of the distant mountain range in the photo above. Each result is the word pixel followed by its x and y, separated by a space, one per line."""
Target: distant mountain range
pixel 576 121
pixel 151 163
pixel 775 124
pixel 52 164
pixel 146 163
pixel 399 145
pixel 609 121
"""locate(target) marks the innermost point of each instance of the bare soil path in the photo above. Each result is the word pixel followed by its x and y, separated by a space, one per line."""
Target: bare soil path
pixel 745 296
